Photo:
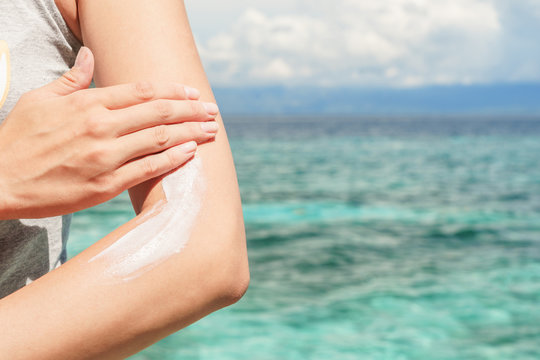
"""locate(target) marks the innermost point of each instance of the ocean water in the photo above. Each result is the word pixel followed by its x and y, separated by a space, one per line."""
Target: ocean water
pixel 374 238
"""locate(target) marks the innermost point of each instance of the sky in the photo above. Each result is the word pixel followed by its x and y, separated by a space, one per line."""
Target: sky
pixel 367 43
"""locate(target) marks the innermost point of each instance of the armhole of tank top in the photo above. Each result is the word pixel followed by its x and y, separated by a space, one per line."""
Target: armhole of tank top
pixel 70 37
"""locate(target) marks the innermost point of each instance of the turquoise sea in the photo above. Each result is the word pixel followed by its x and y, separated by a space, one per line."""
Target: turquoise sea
pixel 375 238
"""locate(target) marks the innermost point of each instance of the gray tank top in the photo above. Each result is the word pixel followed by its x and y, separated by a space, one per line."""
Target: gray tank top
pixel 36 47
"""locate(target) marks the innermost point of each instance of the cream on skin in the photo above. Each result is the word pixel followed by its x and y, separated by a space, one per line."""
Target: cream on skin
pixel 162 232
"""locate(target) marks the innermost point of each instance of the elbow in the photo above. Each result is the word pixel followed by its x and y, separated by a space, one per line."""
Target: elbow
pixel 236 288
pixel 235 276
pixel 236 284
pixel 239 283
pixel 225 271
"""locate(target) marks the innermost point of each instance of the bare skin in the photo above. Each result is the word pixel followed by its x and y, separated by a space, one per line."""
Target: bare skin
pixel 70 148
pixel 76 305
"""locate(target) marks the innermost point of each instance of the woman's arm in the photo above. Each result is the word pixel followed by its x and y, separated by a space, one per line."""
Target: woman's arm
pixel 80 310
pixel 139 40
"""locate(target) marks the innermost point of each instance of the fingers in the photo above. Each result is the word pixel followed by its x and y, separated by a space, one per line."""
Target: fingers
pixel 159 138
pixel 149 167
pixel 125 95
pixel 158 112
pixel 77 78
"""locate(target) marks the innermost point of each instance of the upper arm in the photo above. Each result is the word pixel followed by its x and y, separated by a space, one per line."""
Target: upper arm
pixel 151 40
pixel 136 40
pixel 146 40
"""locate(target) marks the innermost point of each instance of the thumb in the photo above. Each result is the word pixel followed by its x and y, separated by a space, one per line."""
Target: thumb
pixel 78 78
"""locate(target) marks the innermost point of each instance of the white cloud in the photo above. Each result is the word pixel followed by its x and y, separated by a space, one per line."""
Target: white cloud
pixel 422 40
pixel 352 42
pixel 268 49
pixel 276 69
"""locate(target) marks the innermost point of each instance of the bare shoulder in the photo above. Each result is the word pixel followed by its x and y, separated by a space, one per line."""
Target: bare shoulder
pixel 68 9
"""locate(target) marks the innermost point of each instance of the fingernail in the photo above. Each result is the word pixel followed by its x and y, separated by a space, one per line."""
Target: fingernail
pixel 192 93
pixel 81 56
pixel 210 126
pixel 188 147
pixel 211 108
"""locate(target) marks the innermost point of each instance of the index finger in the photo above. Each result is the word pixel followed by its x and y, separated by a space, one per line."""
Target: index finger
pixel 126 95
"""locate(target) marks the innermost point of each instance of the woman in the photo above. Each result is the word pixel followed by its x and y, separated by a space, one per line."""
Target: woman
pixel 80 310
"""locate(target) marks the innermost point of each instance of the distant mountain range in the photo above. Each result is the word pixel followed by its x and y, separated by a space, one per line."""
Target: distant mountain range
pixel 504 99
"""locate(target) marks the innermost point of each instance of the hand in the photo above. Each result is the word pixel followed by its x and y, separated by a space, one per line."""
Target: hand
pixel 65 147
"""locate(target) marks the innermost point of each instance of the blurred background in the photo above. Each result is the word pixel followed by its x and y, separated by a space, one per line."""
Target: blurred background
pixel 388 159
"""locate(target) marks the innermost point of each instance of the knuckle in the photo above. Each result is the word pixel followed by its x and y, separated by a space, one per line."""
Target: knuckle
pixel 180 91
pixel 194 108
pixel 161 135
pixel 97 156
pixel 114 187
pixel 96 126
pixel 71 78
pixel 144 90
pixel 195 131
pixel 173 159
pixel 106 185
pixel 163 109
pixel 149 167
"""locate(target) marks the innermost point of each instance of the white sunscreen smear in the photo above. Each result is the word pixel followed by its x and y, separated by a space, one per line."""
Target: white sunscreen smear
pixel 164 231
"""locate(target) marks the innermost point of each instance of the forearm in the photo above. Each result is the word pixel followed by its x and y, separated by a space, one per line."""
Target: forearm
pixel 78 311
